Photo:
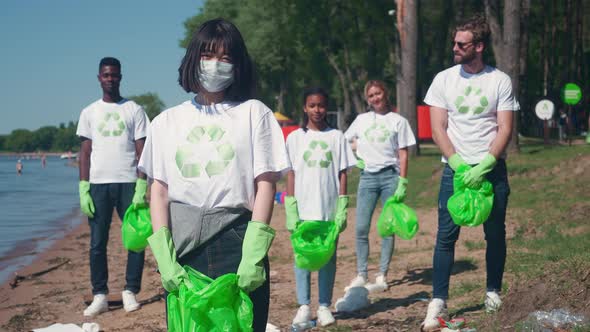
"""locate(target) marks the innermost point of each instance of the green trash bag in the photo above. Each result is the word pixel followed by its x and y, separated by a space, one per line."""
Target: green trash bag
pixel 136 228
pixel 397 218
pixel 209 305
pixel 314 244
pixel 470 206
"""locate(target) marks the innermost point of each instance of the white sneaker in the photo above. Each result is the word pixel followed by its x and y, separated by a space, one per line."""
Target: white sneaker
pixel 99 305
pixel 129 301
pixel 436 308
pixel 380 284
pixel 492 302
pixel 325 317
pixel 358 281
pixel 303 315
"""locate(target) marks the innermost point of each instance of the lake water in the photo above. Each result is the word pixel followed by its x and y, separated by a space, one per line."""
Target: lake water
pixel 36 208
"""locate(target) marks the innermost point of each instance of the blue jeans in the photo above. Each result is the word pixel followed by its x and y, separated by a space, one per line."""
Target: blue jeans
pixel 326 276
pixel 221 255
pixel 106 197
pixel 494 229
pixel 373 186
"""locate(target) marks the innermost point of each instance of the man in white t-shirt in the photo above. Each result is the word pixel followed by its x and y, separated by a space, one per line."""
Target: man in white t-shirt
pixel 471 112
pixel 112 131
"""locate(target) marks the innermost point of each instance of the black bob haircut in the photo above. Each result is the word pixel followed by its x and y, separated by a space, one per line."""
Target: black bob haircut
pixel 212 36
pixel 109 61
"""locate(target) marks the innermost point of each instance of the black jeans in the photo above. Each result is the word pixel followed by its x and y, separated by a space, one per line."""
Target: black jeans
pixel 494 229
pixel 221 255
pixel 106 197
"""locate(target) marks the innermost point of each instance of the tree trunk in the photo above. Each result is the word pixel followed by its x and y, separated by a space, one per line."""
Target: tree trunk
pixel 356 99
pixel 579 42
pixel 491 10
pixel 281 97
pixel 545 48
pixel 342 125
pixel 525 105
pixel 512 40
pixel 409 42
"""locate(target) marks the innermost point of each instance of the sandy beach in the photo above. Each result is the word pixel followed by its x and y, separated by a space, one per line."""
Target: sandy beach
pixel 58 296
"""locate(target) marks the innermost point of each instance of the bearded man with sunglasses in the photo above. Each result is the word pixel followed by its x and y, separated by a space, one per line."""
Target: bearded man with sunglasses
pixel 471 112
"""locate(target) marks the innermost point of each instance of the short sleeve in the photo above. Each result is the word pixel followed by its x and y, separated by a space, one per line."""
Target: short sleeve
pixel 435 95
pixel 141 124
pixel 352 131
pixel 506 100
pixel 291 146
pixel 84 129
pixel 270 154
pixel 405 135
pixel 347 158
pixel 152 160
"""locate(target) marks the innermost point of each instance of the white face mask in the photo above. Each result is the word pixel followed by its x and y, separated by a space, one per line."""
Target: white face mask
pixel 215 75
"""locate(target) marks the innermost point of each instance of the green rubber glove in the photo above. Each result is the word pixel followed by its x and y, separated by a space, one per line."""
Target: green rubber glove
pixel 475 176
pixel 140 191
pixel 455 161
pixel 400 192
pixel 292 213
pixel 171 273
pixel 360 163
pixel 341 212
pixel 86 204
pixel 257 241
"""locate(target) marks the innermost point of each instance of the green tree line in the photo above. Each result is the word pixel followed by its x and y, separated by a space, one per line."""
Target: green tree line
pixel 63 137
pixel 341 44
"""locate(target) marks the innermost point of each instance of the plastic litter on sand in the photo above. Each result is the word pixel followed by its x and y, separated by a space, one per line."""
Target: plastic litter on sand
pixel 354 299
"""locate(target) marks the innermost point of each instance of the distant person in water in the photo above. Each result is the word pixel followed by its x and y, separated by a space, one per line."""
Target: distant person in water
pixel 19 167
pixel 43 160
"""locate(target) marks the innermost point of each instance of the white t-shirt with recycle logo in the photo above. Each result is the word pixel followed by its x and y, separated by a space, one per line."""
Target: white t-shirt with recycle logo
pixel 379 137
pixel 210 155
pixel 317 158
pixel 113 129
pixel 472 102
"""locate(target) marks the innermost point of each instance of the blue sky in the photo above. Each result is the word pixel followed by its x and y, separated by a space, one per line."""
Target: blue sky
pixel 50 51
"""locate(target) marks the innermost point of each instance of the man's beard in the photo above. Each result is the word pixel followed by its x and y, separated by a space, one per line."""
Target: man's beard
pixel 464 59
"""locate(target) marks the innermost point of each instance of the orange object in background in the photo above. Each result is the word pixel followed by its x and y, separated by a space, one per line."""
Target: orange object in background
pixel 424 130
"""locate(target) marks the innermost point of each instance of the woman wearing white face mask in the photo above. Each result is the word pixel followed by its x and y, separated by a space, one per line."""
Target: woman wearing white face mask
pixel 214 161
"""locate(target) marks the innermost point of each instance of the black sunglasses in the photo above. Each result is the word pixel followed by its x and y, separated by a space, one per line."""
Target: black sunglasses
pixel 461 45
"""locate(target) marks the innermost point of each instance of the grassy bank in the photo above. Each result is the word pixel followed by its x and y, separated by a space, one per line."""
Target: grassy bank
pixel 549 211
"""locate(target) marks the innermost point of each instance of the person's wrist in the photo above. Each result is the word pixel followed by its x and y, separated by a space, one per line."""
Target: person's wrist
pixel 489 160
pixel 83 186
pixel 403 181
pixel 261 226
pixel 455 161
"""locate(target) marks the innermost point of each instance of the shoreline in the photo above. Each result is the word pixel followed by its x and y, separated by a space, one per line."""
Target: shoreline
pixel 59 295
pixel 35 247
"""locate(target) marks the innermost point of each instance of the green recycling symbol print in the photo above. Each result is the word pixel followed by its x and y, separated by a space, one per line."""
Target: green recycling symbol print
pixel 377 133
pixel 215 152
pixel 111 125
pixel 472 99
pixel 318 154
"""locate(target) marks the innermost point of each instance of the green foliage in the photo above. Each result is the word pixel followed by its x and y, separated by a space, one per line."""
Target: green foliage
pixel 48 138
pixel 20 140
pixel 301 43
pixel 151 103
